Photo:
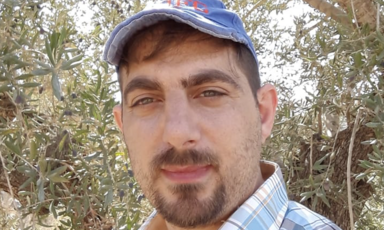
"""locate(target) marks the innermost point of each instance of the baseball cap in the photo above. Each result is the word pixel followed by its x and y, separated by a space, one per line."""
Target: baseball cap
pixel 208 16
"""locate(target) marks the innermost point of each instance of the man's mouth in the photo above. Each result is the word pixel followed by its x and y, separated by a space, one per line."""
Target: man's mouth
pixel 186 174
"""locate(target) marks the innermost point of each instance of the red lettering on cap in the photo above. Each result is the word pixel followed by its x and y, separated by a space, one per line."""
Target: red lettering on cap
pixel 198 6
pixel 203 9
pixel 186 2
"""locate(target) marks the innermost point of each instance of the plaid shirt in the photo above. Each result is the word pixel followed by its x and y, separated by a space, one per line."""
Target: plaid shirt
pixel 269 208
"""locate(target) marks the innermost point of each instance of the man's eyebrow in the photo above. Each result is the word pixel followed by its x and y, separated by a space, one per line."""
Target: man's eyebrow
pixel 141 82
pixel 207 76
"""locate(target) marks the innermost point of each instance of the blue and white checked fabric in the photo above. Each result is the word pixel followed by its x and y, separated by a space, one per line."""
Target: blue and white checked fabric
pixel 269 208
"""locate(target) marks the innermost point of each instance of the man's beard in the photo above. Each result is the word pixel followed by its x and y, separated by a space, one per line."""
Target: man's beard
pixel 188 211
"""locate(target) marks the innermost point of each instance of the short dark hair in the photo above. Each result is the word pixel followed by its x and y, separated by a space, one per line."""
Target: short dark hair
pixel 172 32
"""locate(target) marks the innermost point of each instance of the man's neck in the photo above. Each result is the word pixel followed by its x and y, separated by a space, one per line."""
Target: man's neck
pixel 210 227
pixel 158 223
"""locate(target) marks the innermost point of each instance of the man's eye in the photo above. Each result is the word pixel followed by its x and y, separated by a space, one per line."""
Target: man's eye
pixel 144 101
pixel 211 93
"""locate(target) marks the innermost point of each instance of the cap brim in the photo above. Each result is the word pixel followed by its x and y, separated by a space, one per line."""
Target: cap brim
pixel 125 30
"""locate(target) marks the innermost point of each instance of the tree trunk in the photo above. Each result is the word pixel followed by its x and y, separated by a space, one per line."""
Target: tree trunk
pixel 333 180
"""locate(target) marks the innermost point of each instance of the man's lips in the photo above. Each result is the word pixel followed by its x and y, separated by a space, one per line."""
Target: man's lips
pixel 186 174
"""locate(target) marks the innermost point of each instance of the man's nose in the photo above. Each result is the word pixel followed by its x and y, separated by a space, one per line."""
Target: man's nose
pixel 181 129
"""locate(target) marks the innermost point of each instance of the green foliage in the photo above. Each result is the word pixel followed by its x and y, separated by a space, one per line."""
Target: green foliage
pixel 342 73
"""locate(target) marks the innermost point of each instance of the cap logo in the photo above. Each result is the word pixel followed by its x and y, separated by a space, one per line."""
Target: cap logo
pixel 197 5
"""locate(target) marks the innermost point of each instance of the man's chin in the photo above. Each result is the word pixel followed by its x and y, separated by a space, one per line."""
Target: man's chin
pixel 187 214
pixel 186 209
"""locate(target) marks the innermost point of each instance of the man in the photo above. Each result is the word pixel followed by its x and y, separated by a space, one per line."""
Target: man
pixel 194 117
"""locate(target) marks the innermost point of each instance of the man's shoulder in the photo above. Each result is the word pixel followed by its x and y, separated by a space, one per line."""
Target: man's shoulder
pixel 299 217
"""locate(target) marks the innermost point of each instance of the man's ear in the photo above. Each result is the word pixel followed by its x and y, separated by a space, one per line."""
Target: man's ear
pixel 117 112
pixel 267 98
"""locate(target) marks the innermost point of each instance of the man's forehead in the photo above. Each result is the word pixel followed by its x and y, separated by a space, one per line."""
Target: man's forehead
pixel 160 39
pixel 147 48
pixel 182 56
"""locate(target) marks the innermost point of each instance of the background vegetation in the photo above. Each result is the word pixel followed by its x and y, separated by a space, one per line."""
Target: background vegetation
pixel 62 162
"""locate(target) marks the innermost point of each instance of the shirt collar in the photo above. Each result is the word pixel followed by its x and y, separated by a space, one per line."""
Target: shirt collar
pixel 264 209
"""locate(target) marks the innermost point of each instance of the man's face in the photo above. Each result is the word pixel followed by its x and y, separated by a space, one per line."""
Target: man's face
pixel 193 131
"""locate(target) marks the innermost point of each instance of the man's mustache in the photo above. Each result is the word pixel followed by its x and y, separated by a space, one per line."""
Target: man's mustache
pixel 182 158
